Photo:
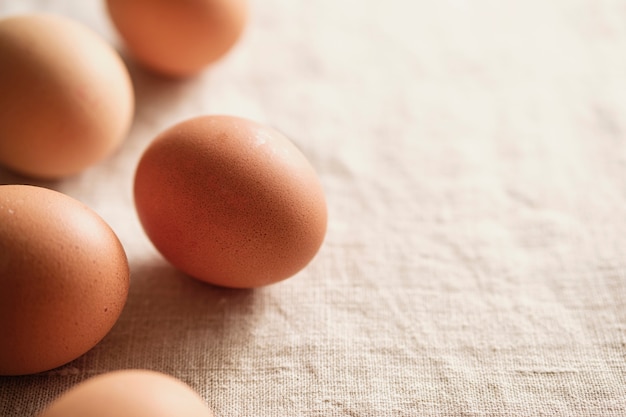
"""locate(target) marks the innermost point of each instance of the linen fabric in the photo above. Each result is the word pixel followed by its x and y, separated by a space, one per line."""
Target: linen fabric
pixel 473 155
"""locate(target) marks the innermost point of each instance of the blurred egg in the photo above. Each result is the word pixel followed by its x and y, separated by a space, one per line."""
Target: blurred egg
pixel 66 98
pixel 63 279
pixel 178 37
pixel 129 393
pixel 230 201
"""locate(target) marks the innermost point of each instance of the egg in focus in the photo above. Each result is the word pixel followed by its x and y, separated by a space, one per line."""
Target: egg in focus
pixel 178 38
pixel 230 201
pixel 64 279
pixel 66 98
pixel 129 393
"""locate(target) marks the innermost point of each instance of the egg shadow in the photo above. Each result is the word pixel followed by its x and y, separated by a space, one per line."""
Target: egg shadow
pixel 158 99
pixel 171 323
pixel 10 177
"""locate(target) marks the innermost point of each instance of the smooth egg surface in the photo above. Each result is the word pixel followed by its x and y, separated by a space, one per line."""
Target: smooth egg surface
pixel 178 37
pixel 129 393
pixel 230 201
pixel 64 279
pixel 66 99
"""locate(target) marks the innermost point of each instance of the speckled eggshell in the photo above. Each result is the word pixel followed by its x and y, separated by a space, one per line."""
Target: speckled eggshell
pixel 63 279
pixel 129 393
pixel 178 37
pixel 230 201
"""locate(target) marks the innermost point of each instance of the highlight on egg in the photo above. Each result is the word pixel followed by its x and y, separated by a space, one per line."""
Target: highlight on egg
pixel 129 393
pixel 230 201
pixel 64 279
pixel 178 38
pixel 66 97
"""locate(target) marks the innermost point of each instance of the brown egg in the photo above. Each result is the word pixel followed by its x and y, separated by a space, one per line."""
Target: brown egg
pixel 66 99
pixel 230 201
pixel 63 279
pixel 178 37
pixel 129 393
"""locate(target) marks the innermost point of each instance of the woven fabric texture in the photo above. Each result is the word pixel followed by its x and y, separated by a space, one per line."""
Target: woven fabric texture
pixel 473 154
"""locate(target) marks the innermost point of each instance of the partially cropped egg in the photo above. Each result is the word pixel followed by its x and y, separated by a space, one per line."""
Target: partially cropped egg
pixel 230 201
pixel 64 279
pixel 178 37
pixel 66 99
pixel 129 393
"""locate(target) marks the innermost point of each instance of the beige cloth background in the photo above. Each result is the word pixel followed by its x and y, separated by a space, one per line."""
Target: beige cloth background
pixel 473 153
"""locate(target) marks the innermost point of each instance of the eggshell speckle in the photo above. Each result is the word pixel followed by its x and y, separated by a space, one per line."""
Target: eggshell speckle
pixel 230 201
pixel 64 279
pixel 129 393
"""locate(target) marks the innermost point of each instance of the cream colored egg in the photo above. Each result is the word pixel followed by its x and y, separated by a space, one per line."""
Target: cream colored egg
pixel 129 393
pixel 66 99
